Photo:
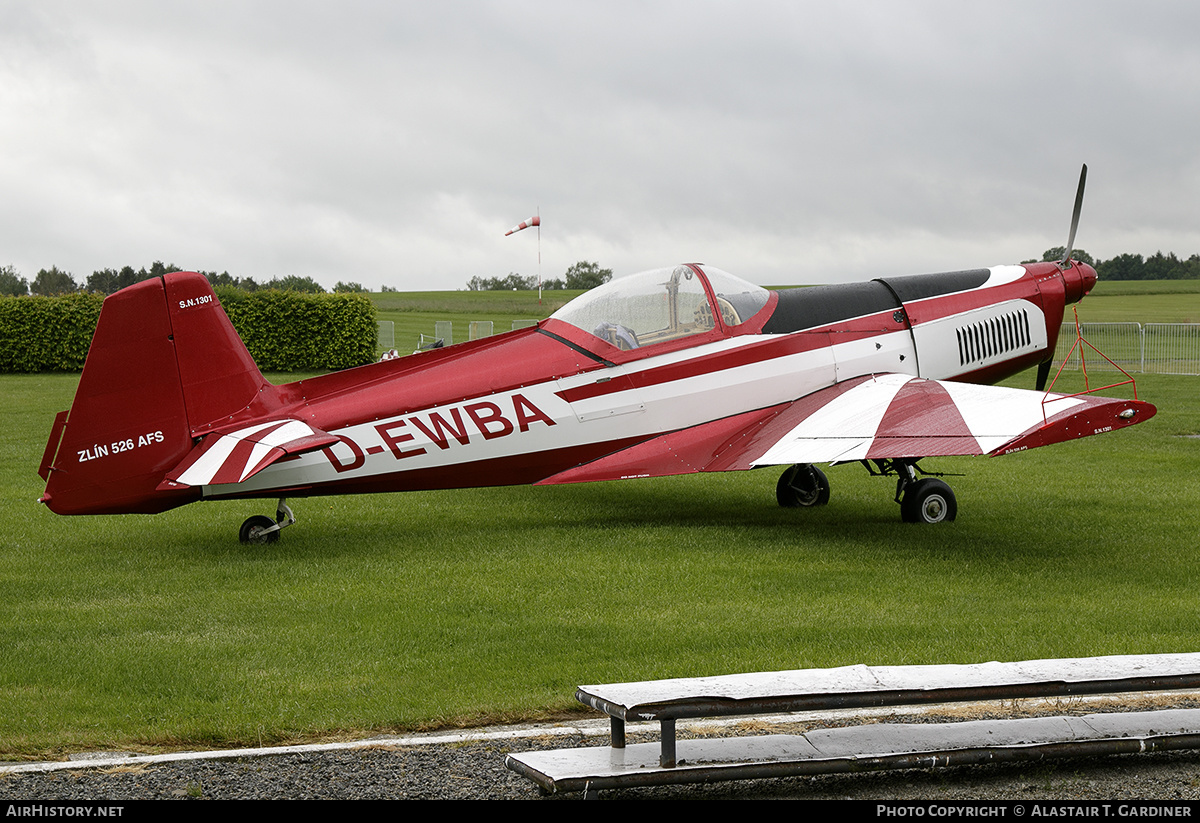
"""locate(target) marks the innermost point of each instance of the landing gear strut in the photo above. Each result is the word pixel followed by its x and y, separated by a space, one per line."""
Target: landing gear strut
pixel 261 529
pixel 802 486
pixel 927 500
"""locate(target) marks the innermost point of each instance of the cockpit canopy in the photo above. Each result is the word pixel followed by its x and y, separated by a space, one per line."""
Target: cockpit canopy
pixel 660 305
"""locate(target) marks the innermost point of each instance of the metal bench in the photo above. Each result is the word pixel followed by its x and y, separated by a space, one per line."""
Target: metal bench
pixel 866 686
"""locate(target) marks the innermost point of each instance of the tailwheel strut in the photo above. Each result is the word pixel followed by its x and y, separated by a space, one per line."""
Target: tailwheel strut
pixel 261 529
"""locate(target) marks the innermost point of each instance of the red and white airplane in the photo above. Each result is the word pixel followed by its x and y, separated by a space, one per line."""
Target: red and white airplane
pixel 672 371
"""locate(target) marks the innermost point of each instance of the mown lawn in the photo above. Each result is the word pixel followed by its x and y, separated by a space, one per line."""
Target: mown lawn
pixel 417 313
pixel 1142 301
pixel 417 610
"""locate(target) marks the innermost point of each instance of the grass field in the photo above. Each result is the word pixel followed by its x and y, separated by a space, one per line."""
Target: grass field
pixel 1148 301
pixel 417 313
pixel 418 610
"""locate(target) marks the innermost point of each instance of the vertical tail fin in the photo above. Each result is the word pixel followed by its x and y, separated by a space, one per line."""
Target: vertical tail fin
pixel 165 364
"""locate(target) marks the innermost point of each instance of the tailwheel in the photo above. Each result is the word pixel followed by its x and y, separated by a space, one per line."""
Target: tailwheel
pixel 802 486
pixel 261 529
pixel 928 501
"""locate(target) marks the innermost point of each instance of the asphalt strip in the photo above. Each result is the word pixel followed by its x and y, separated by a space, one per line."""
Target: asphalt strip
pixel 586 728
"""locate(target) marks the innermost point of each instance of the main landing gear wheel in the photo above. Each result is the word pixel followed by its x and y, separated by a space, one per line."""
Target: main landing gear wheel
pixel 254 530
pixel 928 501
pixel 802 486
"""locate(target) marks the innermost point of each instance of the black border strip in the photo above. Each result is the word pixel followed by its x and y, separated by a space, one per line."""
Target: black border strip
pixel 576 347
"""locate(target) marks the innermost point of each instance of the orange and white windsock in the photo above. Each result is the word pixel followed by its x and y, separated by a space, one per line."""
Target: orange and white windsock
pixel 532 221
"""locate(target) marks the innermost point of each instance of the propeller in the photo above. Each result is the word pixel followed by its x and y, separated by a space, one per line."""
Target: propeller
pixel 1075 215
pixel 1043 372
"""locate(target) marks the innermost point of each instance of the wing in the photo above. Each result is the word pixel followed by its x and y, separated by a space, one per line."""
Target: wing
pixel 897 416
pixel 233 456
pixel 872 418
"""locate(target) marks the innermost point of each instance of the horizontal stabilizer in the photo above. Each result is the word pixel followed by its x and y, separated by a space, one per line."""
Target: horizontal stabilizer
pixel 233 456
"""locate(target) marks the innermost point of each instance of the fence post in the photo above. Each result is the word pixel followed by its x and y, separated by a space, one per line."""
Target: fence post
pixel 1142 347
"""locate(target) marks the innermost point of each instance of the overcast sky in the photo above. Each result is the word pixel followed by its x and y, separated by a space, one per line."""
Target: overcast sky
pixel 787 142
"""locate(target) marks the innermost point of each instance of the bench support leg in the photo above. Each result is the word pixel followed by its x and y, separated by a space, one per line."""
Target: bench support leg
pixel 667 758
pixel 617 725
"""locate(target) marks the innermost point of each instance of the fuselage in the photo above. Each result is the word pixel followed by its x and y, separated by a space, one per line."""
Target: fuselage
pixel 644 355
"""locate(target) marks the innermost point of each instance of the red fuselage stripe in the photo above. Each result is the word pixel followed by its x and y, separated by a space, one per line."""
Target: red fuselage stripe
pixel 770 348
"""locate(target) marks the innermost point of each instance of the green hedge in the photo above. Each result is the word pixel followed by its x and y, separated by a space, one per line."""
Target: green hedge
pixel 293 331
pixel 47 333
pixel 284 331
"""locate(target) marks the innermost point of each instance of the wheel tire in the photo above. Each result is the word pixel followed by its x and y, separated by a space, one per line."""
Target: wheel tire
pixel 801 487
pixel 929 501
pixel 253 529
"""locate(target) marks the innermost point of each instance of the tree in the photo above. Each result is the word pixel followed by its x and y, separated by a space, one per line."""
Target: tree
pixel 585 275
pixel 1122 267
pixel 11 283
pixel 107 281
pixel 53 281
pixel 294 282
pixel 515 281
pixel 127 276
pixel 348 287
pixel 227 280
pixel 159 268
pixel 512 282
pixel 222 279
pixel 103 281
pixel 1057 253
pixel 1161 266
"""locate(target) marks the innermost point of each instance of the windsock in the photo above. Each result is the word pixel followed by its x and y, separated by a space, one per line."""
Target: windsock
pixel 532 221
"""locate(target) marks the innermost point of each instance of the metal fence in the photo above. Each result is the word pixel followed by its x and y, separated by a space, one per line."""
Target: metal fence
pixel 1146 348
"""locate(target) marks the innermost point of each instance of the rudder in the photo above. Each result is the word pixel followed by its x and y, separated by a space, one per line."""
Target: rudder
pixel 165 364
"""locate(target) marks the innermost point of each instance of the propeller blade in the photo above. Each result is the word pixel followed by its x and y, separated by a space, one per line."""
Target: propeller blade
pixel 1075 216
pixel 1043 373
